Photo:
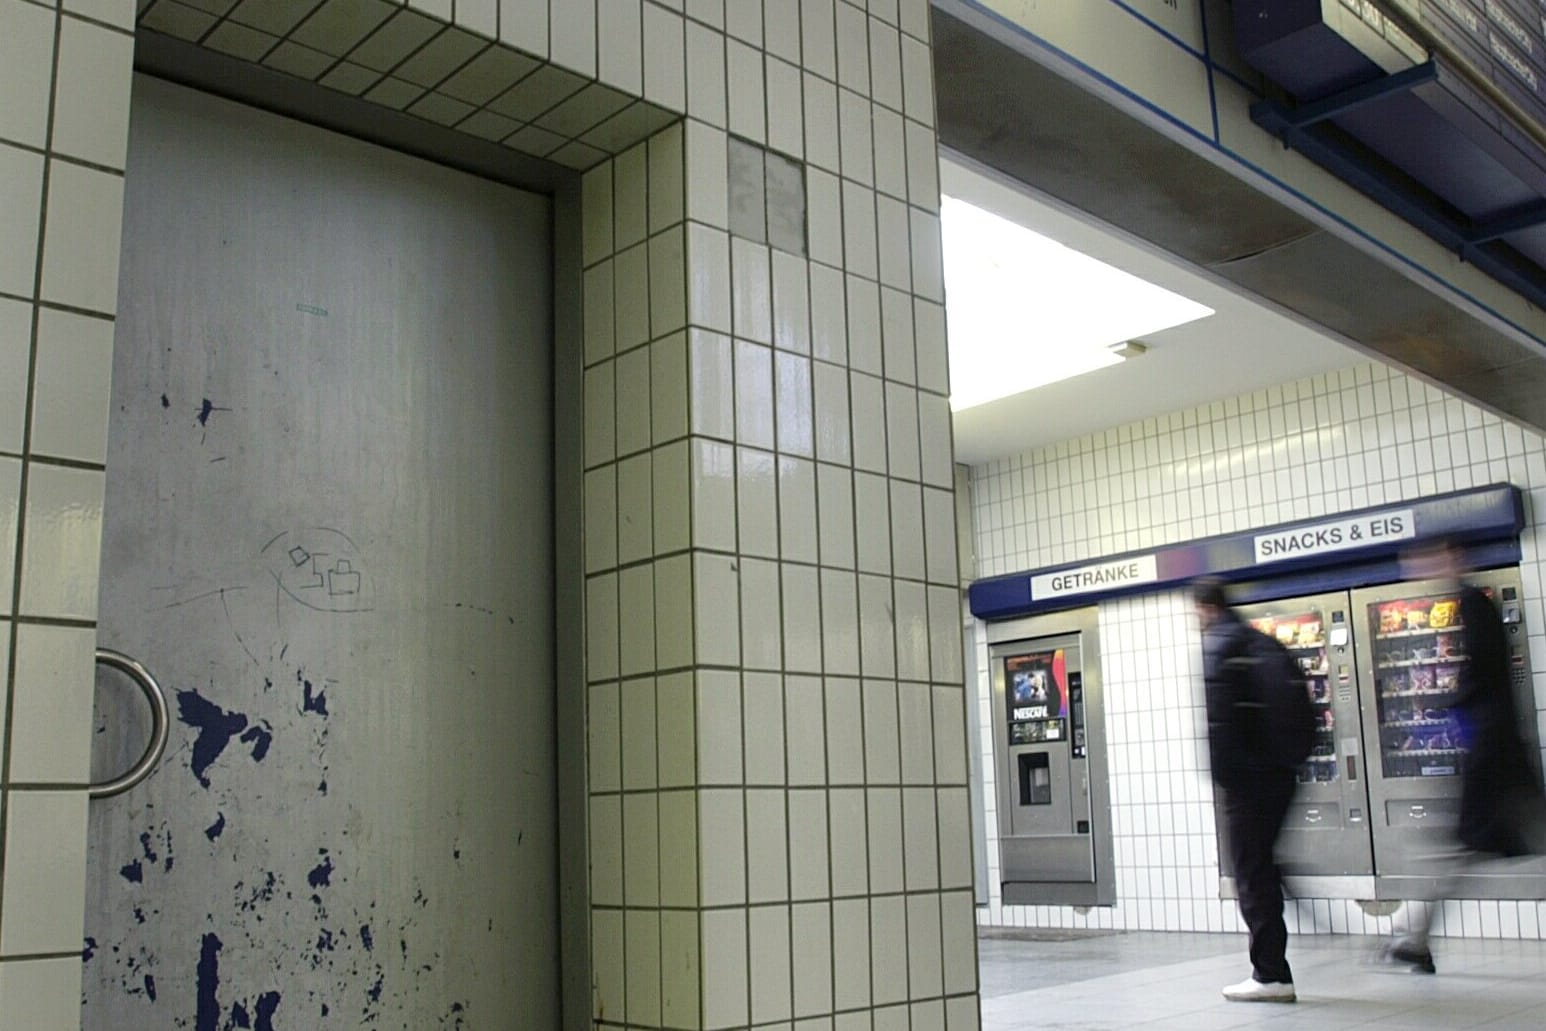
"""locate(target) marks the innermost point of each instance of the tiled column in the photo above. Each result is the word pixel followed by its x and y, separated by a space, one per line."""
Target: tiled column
pixel 64 107
pixel 779 815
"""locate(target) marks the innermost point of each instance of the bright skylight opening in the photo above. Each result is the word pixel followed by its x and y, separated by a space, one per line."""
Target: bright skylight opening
pixel 1024 311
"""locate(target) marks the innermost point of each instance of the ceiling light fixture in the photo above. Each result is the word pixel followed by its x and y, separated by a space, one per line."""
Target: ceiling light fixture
pixel 1022 310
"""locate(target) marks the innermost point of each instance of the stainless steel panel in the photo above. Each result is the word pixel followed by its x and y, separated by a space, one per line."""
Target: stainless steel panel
pixel 328 528
pixel 1058 858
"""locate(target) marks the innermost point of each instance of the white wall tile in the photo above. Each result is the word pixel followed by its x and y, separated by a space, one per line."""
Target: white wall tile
pixel 864 330
pixel 771 974
pixel 811 938
pixel 641 852
pixel 802 619
pixel 26 71
pixel 785 100
pixel 15 363
pixel 63 542
pixel 604 720
pixel 902 431
pixel 672 492
pixel 884 808
pixel 877 628
pixel 21 187
pixel 747 97
pixel 719 728
pixel 722 847
pixel 868 421
pixel 798 540
pixel 45 872
pixel 806 731
pixel 754 395
pixel 855 137
pixel 607 943
pixel 818 32
pixel 853 51
pixel 794 405
pixel 872 516
pixel 888 961
pixel 51 705
pixel 573 36
pixel 751 290
pixel 859 236
pixel 674 626
pixel 833 430
pixel 839 623
pixel 707 96
pixel 724 964
pixel 761 628
pixel 767 846
pixel 850 844
pixel 667 282
pixel 40 993
pixel 823 142
pixel 835 511
pixel 91 110
pixel 636 620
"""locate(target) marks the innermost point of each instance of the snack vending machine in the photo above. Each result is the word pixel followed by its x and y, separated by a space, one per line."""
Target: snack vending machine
pixel 1411 656
pixel 1381 787
pixel 1326 833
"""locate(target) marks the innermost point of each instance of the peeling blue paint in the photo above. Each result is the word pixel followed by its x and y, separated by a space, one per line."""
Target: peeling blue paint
pixel 89 951
pixel 268 1004
pixel 321 875
pixel 165 402
pixel 204 411
pixel 139 915
pixel 259 736
pixel 215 829
pixel 374 992
pixel 313 700
pixel 150 987
pixel 216 727
pixel 132 872
pixel 367 939
pixel 208 1013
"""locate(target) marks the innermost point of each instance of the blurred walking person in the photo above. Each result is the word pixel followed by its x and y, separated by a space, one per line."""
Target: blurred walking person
pixel 1261 725
pixel 1501 801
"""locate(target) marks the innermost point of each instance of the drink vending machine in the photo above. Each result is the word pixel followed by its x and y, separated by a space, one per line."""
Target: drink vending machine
pixel 1382 784
pixel 1054 808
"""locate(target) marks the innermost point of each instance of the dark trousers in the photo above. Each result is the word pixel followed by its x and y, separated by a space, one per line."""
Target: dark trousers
pixel 1253 818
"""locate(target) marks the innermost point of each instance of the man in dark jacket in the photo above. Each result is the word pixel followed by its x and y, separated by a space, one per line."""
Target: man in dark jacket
pixel 1254 791
pixel 1500 795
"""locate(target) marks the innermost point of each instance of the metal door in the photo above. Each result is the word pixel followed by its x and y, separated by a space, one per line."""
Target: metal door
pixel 328 532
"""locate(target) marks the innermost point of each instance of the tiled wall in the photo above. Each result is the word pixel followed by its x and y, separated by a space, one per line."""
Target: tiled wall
pixel 779 810
pixel 64 103
pixel 773 633
pixel 1365 436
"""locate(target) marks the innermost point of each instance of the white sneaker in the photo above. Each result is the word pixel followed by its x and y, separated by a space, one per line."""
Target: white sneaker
pixel 1252 990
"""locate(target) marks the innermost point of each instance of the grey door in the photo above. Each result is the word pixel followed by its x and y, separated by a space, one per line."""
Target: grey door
pixel 328 532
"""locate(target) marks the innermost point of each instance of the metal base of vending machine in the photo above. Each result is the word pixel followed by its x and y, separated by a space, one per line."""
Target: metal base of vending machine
pixel 1054 802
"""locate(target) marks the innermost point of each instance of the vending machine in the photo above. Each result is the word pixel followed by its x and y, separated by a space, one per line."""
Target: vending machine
pixel 1382 786
pixel 1327 832
pixel 1054 809
pixel 1410 658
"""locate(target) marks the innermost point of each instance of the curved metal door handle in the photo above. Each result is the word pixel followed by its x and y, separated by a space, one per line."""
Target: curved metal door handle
pixel 160 724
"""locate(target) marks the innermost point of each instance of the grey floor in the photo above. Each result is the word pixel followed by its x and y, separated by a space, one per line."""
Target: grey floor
pixel 1160 981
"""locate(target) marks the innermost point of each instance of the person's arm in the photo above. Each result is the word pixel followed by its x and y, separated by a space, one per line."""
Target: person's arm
pixel 1224 682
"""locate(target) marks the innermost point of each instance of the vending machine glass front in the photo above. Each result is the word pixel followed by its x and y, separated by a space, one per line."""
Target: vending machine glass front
pixel 1417 660
pixel 1304 635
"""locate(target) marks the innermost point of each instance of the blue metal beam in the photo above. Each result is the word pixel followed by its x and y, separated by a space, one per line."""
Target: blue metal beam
pixel 1419 207
pixel 1306 115
pixel 1526 216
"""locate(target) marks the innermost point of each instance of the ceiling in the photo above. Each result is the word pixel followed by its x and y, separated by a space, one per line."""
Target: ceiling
pixel 1246 346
